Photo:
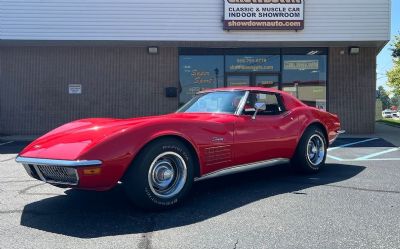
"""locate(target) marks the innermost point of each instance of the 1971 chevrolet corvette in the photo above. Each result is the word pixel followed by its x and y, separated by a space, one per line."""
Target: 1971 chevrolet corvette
pixel 218 132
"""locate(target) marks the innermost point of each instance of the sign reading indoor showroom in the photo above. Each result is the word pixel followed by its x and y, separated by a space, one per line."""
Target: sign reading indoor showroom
pixel 264 15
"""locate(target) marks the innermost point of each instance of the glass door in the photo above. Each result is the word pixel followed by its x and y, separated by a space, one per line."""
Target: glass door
pixel 270 81
pixel 253 79
pixel 238 80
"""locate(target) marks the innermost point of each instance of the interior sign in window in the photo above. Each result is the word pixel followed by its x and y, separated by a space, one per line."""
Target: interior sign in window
pixel 252 63
pixel 264 14
pixel 301 65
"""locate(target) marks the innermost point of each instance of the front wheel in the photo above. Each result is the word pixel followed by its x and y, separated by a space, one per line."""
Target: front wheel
pixel 161 175
pixel 311 151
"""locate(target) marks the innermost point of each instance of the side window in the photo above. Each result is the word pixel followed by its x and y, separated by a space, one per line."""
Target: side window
pixel 271 100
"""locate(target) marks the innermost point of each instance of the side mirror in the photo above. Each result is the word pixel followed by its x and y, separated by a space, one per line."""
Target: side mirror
pixel 259 106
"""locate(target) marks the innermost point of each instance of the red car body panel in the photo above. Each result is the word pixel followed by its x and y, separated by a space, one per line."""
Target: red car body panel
pixel 219 140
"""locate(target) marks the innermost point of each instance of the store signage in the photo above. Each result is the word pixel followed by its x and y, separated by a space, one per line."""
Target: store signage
pixel 75 89
pixel 263 14
pixel 301 65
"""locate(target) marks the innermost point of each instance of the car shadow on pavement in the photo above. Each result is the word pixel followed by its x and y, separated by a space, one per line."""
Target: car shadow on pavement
pixel 12 147
pixel 84 214
pixel 362 143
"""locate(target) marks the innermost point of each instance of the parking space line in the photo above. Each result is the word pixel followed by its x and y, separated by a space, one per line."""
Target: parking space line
pixel 378 159
pixel 377 154
pixel 335 158
pixel 363 160
pixel 7 143
pixel 350 144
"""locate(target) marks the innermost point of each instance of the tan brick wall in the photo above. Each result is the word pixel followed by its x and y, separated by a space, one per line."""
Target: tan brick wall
pixel 116 82
pixel 128 82
pixel 351 86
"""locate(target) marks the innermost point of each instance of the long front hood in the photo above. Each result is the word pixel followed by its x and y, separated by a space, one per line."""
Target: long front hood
pixel 71 140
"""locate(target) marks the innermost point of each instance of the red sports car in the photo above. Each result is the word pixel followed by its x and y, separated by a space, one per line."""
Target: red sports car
pixel 218 132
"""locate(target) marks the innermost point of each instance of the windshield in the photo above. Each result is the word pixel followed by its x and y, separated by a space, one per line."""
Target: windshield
pixel 214 102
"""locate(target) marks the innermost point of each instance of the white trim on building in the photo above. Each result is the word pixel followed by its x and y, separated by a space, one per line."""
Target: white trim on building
pixel 183 20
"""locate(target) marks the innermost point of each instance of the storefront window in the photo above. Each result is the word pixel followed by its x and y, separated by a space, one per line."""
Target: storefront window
pixel 252 63
pixel 198 72
pixel 304 76
pixel 300 71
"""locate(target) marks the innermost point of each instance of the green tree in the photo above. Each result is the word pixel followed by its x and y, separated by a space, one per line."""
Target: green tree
pixel 396 47
pixel 394 77
pixel 384 97
pixel 395 101
pixel 394 73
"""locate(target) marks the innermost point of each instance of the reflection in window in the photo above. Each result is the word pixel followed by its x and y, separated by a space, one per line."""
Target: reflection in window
pixel 214 102
pixel 304 76
pixel 198 72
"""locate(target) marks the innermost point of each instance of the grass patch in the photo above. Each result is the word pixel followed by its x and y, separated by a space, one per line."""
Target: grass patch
pixel 391 121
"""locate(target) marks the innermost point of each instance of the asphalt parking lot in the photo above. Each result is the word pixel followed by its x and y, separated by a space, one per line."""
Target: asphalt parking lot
pixel 354 202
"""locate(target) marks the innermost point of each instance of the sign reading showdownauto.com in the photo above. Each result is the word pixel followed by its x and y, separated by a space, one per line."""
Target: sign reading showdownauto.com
pixel 264 15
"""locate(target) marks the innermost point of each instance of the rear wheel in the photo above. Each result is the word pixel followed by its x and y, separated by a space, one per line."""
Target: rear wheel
pixel 161 175
pixel 311 151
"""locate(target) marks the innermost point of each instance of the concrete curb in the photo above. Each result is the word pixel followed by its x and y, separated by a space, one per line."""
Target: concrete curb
pixel 397 126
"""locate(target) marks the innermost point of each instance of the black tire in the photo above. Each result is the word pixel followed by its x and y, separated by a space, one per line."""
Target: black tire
pixel 142 180
pixel 303 161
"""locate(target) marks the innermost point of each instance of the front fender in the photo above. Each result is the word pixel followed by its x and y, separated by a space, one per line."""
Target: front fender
pixel 118 152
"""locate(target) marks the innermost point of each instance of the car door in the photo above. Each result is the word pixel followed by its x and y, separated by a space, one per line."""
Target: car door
pixel 270 135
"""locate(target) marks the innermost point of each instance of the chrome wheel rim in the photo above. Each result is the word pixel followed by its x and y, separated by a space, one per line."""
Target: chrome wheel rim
pixel 316 149
pixel 167 175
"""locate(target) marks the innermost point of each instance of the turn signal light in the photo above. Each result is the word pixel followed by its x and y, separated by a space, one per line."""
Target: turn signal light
pixel 92 171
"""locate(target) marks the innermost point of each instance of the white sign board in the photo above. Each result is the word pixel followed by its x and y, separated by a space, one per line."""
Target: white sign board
pixel 75 89
pixel 264 14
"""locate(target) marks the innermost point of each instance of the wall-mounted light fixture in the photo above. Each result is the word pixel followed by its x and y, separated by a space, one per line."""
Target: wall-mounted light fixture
pixel 152 50
pixel 313 52
pixel 354 50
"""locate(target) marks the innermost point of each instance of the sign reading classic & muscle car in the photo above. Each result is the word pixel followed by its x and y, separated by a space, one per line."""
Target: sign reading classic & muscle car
pixel 264 14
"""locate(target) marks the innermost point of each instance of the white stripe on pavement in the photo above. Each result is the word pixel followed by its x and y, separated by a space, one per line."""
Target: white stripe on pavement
pixel 350 144
pixel 378 159
pixel 7 143
pixel 377 154
pixel 335 158
pixel 363 160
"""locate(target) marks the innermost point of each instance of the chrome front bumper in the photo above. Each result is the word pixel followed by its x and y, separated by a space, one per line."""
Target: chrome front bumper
pixel 339 132
pixel 61 172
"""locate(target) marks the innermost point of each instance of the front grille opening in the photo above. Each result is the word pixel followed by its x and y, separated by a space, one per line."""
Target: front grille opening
pixel 59 175
pixel 33 172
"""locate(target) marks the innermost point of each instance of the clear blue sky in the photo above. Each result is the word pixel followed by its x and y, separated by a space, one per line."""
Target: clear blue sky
pixel 384 58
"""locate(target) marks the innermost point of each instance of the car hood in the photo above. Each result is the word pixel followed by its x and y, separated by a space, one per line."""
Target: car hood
pixel 74 139
pixel 71 140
